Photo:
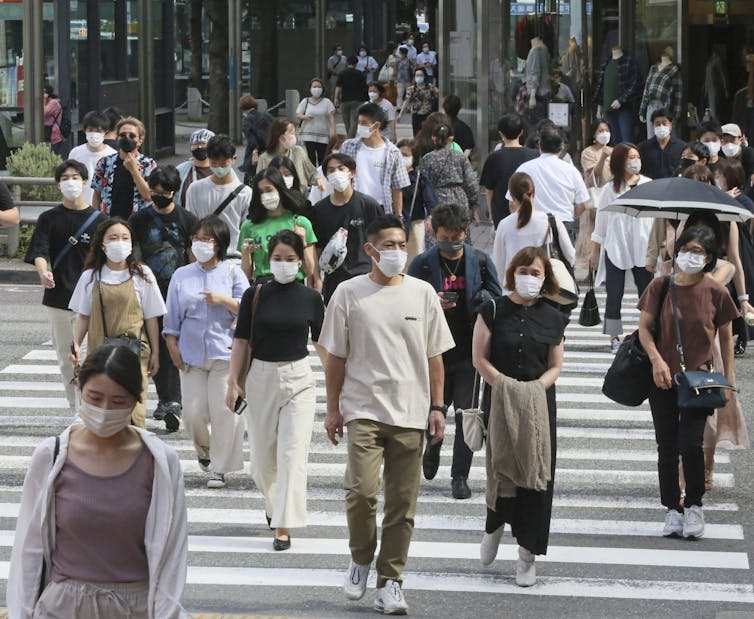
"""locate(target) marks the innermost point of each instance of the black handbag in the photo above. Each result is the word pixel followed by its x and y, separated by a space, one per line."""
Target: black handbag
pixel 629 378
pixel 132 343
pixel 696 389
pixel 590 311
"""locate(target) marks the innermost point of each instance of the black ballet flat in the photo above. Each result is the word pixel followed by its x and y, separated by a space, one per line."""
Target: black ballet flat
pixel 281 544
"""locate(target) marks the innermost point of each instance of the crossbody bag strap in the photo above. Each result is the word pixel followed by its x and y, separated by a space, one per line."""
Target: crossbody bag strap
pixel 102 306
pixel 679 342
pixel 74 239
pixel 230 197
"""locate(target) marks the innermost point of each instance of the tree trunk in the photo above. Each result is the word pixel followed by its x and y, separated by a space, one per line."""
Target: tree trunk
pixel 195 28
pixel 217 11
pixel 266 61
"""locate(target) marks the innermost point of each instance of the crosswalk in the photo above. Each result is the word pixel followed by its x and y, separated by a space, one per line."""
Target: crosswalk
pixel 605 545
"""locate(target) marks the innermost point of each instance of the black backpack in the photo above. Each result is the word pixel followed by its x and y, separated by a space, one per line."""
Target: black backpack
pixel 64 120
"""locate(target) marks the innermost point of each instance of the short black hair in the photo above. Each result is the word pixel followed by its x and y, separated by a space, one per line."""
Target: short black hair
pixel 379 86
pixel 351 60
pixel 661 112
pixel 452 105
pixel 706 238
pixel 511 125
pixel 287 237
pixel 71 163
pixel 700 149
pixel 221 146
pixel 114 115
pixel 118 363
pixel 373 112
pixel 451 217
pixel 97 120
pixel 218 230
pixel 383 222
pixel 346 160
pixel 166 176
pixel 707 126
pixel 550 140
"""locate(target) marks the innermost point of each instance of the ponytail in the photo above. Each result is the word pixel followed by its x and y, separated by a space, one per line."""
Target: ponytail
pixel 524 213
pixel 521 188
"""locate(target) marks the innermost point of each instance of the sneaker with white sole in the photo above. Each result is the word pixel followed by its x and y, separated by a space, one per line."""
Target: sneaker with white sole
pixel 216 480
pixel 526 573
pixel 390 600
pixel 355 585
pixel 489 546
pixel 693 522
pixel 673 524
pixel 614 345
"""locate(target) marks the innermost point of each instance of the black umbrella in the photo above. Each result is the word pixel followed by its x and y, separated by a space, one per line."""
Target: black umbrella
pixel 677 198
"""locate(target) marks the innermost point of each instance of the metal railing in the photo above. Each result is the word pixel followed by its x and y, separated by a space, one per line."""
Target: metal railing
pixel 29 209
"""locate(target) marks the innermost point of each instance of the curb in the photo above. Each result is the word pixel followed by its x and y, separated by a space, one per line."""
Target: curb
pixel 18 276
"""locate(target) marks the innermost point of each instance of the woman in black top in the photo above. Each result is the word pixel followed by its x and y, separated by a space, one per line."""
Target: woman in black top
pixel 280 386
pixel 522 338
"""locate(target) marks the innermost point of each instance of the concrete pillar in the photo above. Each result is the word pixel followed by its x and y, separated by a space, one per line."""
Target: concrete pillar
pixel 33 71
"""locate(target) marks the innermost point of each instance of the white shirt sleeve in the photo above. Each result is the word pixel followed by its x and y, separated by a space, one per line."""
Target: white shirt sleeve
pixel 334 335
pixel 581 194
pixel 569 253
pixel 600 222
pixel 498 254
pixel 81 299
pixel 152 304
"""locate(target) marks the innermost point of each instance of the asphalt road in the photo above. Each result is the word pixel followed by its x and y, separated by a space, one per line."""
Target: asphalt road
pixel 606 555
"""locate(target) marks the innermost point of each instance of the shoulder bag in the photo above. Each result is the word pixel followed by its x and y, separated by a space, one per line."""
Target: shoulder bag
pixel 132 343
pixel 629 377
pixel 228 199
pixel 696 389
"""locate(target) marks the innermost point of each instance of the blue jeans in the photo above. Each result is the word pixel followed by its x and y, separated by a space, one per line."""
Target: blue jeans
pixel 621 123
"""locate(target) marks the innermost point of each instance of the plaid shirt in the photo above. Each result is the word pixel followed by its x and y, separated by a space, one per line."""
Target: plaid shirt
pixel 393 177
pixel 104 173
pixel 663 85
pixel 629 83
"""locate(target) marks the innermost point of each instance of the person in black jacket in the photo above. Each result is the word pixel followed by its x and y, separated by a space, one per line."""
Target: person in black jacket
pixel 255 126
pixel 464 278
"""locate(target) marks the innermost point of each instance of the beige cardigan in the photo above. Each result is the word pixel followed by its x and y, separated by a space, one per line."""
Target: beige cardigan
pixel 518 438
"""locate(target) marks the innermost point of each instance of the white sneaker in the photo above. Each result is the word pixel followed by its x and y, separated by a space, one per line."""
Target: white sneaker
pixel 693 522
pixel 489 546
pixel 614 345
pixel 216 480
pixel 526 573
pixel 355 585
pixel 390 600
pixel 673 524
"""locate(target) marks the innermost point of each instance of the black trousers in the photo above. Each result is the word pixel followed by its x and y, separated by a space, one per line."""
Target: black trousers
pixel 459 387
pixel 679 432
pixel 416 121
pixel 316 152
pixel 615 284
pixel 167 381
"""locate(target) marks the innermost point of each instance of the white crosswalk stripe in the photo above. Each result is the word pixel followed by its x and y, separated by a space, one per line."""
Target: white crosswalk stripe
pixel 606 529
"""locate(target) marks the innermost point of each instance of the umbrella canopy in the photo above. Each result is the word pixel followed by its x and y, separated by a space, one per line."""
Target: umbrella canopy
pixel 677 198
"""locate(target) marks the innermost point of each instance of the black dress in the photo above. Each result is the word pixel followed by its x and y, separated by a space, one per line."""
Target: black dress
pixel 520 348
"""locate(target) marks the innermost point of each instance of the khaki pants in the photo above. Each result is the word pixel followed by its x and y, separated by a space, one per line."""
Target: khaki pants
pixel 83 600
pixel 61 332
pixel 369 444
pixel 216 431
pixel 415 244
pixel 280 417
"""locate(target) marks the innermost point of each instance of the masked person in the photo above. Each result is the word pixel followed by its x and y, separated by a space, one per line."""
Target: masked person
pixel 283 141
pixel 317 115
pixel 196 168
pixel 120 180
pixel 103 511
pixel 95 126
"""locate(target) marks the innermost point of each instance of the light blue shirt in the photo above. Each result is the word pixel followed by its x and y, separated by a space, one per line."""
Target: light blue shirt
pixel 203 331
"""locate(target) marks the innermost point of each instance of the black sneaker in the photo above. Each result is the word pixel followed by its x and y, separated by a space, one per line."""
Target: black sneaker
pixel 172 416
pixel 159 412
pixel 460 488
pixel 431 459
pixel 739 350
pixel 204 464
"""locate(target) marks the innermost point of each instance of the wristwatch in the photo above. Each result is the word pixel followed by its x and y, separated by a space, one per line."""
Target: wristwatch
pixel 439 408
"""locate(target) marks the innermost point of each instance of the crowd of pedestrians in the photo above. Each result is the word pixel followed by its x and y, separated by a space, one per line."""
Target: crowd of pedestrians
pixel 213 284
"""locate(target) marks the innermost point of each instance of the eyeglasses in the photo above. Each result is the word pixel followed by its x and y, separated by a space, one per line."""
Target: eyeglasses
pixel 133 136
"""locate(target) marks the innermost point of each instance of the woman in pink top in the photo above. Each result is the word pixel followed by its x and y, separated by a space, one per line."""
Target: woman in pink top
pixel 53 116
pixel 101 530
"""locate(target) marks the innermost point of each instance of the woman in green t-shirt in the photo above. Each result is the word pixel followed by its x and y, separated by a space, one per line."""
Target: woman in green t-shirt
pixel 274 207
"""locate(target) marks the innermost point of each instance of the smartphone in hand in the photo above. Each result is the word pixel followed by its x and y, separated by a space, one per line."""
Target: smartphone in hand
pixel 450 297
pixel 240 405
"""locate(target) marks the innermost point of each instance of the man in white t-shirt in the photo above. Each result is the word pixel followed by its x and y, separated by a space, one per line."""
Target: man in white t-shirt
pixel 559 185
pixel 205 196
pixel 385 334
pixel 428 61
pixel 380 172
pixel 95 126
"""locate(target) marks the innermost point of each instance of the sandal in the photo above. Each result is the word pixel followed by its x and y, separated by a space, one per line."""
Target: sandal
pixel 708 479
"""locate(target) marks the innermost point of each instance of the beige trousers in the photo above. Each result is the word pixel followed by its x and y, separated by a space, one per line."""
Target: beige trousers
pixel 371 443
pixel 280 418
pixel 216 431
pixel 61 332
pixel 415 244
pixel 84 600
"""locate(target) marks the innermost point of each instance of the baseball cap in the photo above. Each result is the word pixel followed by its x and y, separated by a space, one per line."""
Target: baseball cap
pixel 201 136
pixel 731 129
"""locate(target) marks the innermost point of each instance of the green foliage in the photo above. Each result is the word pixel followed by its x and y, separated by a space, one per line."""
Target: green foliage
pixel 24 239
pixel 35 160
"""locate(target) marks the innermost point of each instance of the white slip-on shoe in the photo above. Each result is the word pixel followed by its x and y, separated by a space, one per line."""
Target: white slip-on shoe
pixel 390 600
pixel 526 573
pixel 693 522
pixel 355 585
pixel 673 524
pixel 489 546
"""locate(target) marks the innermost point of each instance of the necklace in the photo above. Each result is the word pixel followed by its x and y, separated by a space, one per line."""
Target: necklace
pixel 454 271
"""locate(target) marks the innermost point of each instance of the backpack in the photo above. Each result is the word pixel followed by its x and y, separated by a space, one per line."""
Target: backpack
pixel 64 120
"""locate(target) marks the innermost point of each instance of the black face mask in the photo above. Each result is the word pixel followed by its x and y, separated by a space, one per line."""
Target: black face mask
pixel 200 154
pixel 126 144
pixel 161 202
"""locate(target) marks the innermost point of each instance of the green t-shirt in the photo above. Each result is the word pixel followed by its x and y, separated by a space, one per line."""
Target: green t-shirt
pixel 261 234
pixel 610 85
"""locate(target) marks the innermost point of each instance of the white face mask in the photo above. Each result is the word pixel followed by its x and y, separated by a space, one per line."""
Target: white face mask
pixel 203 251
pixel 118 251
pixel 408 161
pixel 410 41
pixel 94 138
pixel 339 180
pixel 316 91
pixel 284 272
pixel 104 422
pixel 220 172
pixel 662 132
pixel 288 180
pixel 425 50
pixel 419 79
pixel 362 54
pixel 363 132
pixel 270 200
pixel 690 263
pixel 603 137
pixel 528 287
pixel 731 149
pixel 714 148
pixel 391 262
pixel 633 166
pixel 71 189
pixel 373 96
